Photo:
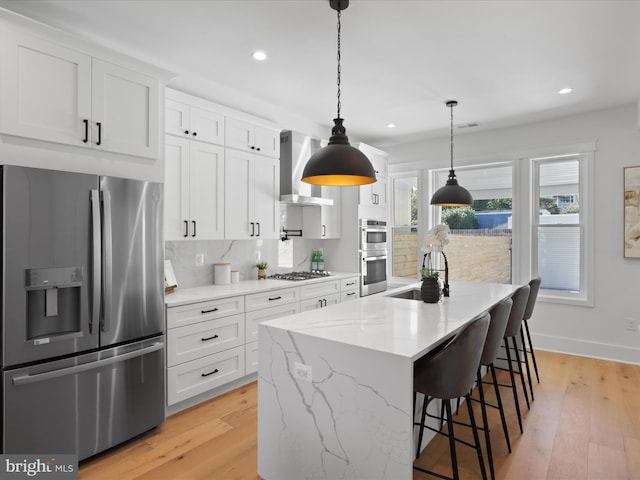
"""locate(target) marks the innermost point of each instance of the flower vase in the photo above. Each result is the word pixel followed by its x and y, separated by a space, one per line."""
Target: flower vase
pixel 430 290
pixel 262 274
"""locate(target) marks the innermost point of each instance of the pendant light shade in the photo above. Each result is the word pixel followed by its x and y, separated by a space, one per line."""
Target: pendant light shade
pixel 452 194
pixel 339 164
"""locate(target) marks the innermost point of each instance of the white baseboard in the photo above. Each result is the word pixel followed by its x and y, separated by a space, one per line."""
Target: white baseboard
pixel 616 353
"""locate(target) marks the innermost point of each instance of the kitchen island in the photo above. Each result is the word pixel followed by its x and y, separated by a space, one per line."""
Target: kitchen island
pixel 335 386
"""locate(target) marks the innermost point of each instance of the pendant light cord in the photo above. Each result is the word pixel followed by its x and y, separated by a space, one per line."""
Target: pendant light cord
pixel 452 105
pixel 339 64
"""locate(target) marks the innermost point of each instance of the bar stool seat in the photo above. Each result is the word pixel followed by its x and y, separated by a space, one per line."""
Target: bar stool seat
pixel 449 374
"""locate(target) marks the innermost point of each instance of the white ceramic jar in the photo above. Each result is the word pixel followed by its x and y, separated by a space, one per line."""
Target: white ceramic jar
pixel 222 273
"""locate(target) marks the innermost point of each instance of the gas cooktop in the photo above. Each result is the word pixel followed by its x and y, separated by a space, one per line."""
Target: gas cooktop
pixel 297 276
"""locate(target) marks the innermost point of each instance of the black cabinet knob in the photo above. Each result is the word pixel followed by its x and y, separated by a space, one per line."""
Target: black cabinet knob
pixel 186 132
pixel 195 134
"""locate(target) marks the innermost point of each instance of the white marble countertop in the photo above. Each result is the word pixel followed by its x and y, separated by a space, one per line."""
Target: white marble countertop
pixel 403 327
pixel 213 292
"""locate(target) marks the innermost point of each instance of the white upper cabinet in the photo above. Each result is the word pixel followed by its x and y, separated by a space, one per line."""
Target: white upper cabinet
pixel 124 111
pixel 194 190
pixel 193 118
pixel 58 94
pixel 252 189
pixel 252 138
pixel 375 194
pixel 323 221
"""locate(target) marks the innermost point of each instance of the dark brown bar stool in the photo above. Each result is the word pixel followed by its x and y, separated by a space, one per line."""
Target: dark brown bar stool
pixel 519 298
pixel 534 285
pixel 448 374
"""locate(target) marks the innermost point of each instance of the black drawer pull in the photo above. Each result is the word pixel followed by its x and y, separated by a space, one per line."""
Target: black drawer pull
pixel 275 298
pixel 210 373
pixel 351 293
pixel 86 131
pixel 350 283
pixel 209 338
pixel 209 311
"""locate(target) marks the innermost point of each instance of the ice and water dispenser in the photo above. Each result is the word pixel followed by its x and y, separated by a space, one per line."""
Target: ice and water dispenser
pixel 53 302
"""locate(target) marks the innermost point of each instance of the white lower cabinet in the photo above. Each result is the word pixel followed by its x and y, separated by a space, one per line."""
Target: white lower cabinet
pixel 261 315
pixel 198 376
pixel 194 341
pixel 349 289
pixel 214 342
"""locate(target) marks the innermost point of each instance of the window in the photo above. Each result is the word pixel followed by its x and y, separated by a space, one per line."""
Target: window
pixel 404 228
pixel 561 226
pixel 480 242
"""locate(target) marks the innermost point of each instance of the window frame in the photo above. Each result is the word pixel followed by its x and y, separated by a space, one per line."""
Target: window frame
pixel 585 295
pixel 392 223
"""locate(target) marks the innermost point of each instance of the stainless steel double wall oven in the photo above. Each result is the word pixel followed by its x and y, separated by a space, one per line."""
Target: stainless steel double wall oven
pixel 373 256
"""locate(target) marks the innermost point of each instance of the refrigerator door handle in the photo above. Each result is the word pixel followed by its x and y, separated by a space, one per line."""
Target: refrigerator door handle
pixel 39 377
pixel 96 257
pixel 107 245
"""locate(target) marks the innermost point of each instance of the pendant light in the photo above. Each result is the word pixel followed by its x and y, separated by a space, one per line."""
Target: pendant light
pixel 452 194
pixel 338 164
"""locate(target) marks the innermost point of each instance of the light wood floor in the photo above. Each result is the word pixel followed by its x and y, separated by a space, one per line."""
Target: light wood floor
pixel 583 424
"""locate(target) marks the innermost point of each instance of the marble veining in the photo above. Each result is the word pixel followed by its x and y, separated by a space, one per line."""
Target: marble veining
pixel 353 418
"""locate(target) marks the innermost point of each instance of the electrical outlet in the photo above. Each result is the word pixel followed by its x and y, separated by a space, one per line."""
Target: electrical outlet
pixel 302 371
pixel 632 324
pixel 199 259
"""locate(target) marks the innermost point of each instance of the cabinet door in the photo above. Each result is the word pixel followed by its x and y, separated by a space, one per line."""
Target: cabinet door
pixel 239 134
pixel 176 188
pixel 267 142
pixel 266 189
pixel 238 198
pixel 177 118
pixel 46 90
pixel 207 126
pixel 206 191
pixel 124 110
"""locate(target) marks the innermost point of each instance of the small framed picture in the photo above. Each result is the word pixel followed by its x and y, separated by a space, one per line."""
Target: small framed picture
pixel 632 212
pixel 170 281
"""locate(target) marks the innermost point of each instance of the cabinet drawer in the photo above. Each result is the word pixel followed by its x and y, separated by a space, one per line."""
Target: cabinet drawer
pixel 349 284
pixel 320 302
pixel 319 289
pixel 251 358
pixel 255 317
pixel 201 311
pixel 204 338
pixel 198 376
pixel 272 298
pixel 349 295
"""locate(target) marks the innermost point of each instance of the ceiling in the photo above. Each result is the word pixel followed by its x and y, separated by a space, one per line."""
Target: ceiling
pixel 504 61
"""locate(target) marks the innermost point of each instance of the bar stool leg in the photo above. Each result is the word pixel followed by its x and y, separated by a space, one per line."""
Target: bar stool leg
pixel 421 431
pixel 485 424
pixel 513 384
pixel 500 408
pixel 452 440
pixel 476 438
pixel 533 353
pixel 521 372
pixel 526 361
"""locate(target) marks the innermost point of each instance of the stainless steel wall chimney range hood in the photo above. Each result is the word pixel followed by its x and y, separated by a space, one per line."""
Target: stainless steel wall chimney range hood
pixel 295 150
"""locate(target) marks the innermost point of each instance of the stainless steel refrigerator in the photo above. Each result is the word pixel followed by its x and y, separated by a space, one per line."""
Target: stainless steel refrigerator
pixel 82 311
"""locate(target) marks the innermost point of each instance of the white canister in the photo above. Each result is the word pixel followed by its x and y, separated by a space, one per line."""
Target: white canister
pixel 222 273
pixel 235 276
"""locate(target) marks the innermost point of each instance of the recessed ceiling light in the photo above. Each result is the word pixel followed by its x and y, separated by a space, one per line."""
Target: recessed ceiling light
pixel 565 90
pixel 391 125
pixel 259 55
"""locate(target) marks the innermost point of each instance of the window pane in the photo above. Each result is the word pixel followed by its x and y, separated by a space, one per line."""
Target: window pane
pixel 404 229
pixel 559 257
pixel 558 189
pixel 479 246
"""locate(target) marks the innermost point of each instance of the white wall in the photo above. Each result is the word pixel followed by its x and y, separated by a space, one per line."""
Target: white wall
pixel 597 331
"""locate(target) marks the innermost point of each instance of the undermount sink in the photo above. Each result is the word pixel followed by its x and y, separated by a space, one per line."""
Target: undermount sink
pixel 413 294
